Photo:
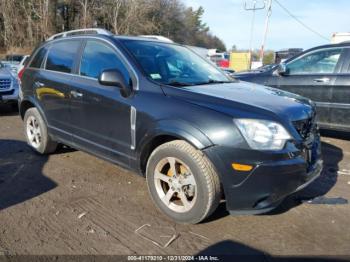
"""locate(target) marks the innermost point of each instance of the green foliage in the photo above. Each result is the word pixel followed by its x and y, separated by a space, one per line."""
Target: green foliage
pixel 268 57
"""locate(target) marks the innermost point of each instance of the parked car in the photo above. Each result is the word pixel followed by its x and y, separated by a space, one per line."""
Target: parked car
pixel 165 112
pixel 14 58
pixel 8 85
pixel 13 66
pixel 228 71
pixel 321 74
pixel 259 70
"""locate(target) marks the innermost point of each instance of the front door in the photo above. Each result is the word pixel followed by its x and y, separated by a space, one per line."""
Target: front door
pixel 340 102
pixel 101 115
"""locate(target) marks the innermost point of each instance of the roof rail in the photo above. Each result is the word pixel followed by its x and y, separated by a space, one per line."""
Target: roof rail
pixel 158 37
pixel 85 31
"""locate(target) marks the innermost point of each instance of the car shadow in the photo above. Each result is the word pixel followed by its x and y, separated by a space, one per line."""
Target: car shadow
pixel 228 250
pixel 8 110
pixel 319 187
pixel 21 175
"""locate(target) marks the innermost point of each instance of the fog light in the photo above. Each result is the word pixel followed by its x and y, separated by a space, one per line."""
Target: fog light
pixel 241 167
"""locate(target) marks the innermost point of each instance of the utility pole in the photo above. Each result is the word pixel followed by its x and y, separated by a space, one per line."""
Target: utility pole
pixel 252 8
pixel 267 20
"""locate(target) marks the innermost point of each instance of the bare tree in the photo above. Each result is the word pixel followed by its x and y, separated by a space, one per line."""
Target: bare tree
pixel 25 23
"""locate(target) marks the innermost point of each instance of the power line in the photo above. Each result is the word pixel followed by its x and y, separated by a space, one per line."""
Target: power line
pixel 300 22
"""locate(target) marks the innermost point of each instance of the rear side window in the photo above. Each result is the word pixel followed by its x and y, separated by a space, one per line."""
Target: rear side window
pixel 39 57
pixel 61 56
pixel 98 57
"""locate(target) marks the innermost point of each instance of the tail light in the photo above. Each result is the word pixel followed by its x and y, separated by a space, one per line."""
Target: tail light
pixel 20 73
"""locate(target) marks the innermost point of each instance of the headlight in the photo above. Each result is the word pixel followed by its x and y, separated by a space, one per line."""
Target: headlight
pixel 263 134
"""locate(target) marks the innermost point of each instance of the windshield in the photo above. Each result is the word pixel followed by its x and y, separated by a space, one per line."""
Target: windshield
pixel 173 64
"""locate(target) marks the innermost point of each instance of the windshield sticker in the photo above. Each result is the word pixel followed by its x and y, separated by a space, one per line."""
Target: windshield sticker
pixel 156 76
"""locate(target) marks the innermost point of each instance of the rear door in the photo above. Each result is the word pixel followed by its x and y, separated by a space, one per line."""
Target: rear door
pixel 52 86
pixel 101 115
pixel 312 75
pixel 340 102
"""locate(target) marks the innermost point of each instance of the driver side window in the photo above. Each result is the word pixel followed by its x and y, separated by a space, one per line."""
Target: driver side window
pixel 98 57
pixel 319 62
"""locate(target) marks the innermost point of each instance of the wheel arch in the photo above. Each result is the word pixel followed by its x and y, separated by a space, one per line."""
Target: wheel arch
pixel 24 106
pixel 29 103
pixel 169 131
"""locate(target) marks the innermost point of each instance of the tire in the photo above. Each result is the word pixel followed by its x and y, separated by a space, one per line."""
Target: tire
pixel 190 196
pixel 35 130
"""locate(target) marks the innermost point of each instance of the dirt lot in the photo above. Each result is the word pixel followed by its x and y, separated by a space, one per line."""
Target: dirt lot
pixel 74 203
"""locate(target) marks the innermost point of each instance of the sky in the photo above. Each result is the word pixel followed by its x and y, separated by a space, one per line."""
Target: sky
pixel 229 21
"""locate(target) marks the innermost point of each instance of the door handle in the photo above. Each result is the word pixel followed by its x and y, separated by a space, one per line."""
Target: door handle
pixel 76 94
pixel 322 80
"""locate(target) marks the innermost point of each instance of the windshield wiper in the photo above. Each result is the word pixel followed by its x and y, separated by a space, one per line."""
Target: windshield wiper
pixel 211 81
pixel 177 83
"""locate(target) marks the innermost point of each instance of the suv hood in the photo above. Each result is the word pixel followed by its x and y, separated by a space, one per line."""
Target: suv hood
pixel 242 99
pixel 6 73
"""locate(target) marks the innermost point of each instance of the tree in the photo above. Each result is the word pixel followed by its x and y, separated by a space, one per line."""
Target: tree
pixel 42 18
pixel 269 57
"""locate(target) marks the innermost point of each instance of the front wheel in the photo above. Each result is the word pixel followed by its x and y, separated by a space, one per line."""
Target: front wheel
pixel 35 130
pixel 182 182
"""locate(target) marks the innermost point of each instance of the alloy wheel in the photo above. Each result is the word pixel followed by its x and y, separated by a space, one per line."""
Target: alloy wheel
pixel 33 132
pixel 175 184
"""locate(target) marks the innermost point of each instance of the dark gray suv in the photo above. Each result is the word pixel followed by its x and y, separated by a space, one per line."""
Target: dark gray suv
pixel 322 74
pixel 161 110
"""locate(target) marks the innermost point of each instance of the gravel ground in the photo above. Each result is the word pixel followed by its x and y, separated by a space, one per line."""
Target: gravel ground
pixel 73 203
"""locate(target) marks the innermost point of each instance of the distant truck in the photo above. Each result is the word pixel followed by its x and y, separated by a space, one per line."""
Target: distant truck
pixel 221 59
pixel 340 37
pixel 285 54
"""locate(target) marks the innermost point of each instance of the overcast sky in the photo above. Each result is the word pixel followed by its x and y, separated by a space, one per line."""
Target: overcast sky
pixel 228 20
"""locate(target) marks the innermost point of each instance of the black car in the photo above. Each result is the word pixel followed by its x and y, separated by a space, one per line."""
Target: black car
pixel 321 74
pixel 14 58
pixel 160 109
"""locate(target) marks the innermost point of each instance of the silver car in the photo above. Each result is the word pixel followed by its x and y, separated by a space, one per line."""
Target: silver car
pixel 9 85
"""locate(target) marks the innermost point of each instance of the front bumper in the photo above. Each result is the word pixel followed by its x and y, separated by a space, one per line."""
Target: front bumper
pixel 275 175
pixel 9 95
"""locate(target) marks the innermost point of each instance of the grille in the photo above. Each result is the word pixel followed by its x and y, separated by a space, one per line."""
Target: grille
pixel 5 84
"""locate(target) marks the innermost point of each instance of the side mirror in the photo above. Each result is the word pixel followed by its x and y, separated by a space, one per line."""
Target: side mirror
pixel 282 69
pixel 113 77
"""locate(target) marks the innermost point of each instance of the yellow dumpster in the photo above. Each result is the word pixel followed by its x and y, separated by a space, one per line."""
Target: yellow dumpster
pixel 240 61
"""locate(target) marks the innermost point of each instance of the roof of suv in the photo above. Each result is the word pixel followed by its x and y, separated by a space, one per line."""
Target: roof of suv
pixel 159 39
pixel 342 44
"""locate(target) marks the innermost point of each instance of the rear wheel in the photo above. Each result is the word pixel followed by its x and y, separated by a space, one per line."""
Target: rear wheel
pixel 182 182
pixel 35 130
